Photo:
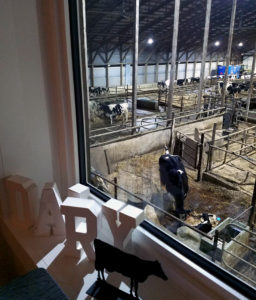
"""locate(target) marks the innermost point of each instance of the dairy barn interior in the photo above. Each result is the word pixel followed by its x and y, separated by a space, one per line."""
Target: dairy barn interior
pixel 177 77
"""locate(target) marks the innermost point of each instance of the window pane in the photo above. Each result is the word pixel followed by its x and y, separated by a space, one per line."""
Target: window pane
pixel 213 148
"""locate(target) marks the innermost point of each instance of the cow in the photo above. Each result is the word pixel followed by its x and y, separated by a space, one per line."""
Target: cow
pixel 206 225
pixel 181 81
pixel 112 259
pixel 111 110
pixel 195 79
pixel 102 110
pixel 161 85
pixel 234 89
pixel 174 177
pixel 97 91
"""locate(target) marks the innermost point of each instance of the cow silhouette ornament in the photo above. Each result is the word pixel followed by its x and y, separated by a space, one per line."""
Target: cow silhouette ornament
pixel 112 259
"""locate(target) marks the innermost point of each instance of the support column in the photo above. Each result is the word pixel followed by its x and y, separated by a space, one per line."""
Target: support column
pixel 210 67
pixel 121 74
pixel 176 73
pixel 194 69
pixel 174 55
pixel 156 72
pixel 205 44
pixel 251 83
pixel 166 70
pixel 135 61
pixel 146 73
pixel 107 76
pixel 92 75
pixel 186 66
pixel 228 56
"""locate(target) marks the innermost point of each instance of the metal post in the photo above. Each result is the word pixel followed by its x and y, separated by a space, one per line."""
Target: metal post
pixel 121 74
pixel 166 70
pixel 174 54
pixel 253 203
pixel 200 161
pixel 251 83
pixel 210 67
pixel 205 44
pixel 115 187
pixel 84 72
pixel 107 76
pixel 228 55
pixel 145 73
pixel 194 69
pixel 186 67
pixel 211 149
pixel 92 75
pixel 156 72
pixel 176 73
pixel 135 61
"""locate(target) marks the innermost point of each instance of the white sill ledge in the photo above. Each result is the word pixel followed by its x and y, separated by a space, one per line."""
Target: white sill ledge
pixel 75 276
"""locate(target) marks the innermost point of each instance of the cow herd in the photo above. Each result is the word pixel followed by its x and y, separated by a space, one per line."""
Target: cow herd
pixel 165 84
pixel 98 91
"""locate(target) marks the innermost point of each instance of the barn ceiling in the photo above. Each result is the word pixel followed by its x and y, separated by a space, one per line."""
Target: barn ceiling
pixel 110 25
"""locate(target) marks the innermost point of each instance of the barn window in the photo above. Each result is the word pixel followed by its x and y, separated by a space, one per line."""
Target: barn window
pixel 125 122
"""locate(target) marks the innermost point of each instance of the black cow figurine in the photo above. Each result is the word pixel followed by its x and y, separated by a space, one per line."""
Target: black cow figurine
pixel 112 259
pixel 173 175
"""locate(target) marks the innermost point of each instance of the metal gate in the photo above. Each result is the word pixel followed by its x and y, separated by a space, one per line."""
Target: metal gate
pixel 187 149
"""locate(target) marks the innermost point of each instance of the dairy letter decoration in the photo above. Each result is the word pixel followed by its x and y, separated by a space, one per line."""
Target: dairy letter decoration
pixel 81 225
pixel 50 221
pixel 122 219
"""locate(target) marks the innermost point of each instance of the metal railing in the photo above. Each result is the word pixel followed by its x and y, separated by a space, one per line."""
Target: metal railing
pixel 236 257
pixel 154 206
pixel 132 131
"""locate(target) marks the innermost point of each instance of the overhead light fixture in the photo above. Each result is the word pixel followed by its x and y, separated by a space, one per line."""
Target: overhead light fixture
pixel 150 41
pixel 240 44
pixel 217 43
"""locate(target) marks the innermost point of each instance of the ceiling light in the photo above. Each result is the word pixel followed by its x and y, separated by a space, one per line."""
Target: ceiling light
pixel 150 41
pixel 217 43
pixel 240 44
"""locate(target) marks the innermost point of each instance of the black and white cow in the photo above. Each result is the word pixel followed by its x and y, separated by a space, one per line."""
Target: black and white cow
pixel 173 175
pixel 195 79
pixel 181 81
pixel 111 110
pixel 206 225
pixel 161 85
pixel 108 110
pixel 97 91
pixel 114 260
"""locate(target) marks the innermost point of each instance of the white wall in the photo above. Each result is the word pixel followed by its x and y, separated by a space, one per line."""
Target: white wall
pixel 248 63
pixel 24 131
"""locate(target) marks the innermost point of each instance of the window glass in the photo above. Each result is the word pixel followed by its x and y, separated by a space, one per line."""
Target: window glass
pixel 193 174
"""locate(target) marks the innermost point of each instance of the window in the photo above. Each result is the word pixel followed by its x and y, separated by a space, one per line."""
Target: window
pixel 121 140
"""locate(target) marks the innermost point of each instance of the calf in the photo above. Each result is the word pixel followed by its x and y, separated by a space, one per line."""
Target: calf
pixel 112 259
pixel 206 225
pixel 174 177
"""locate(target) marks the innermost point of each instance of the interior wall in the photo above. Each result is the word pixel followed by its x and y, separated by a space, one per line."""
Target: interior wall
pixel 114 73
pixel 24 130
pixel 247 61
pixel 36 115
